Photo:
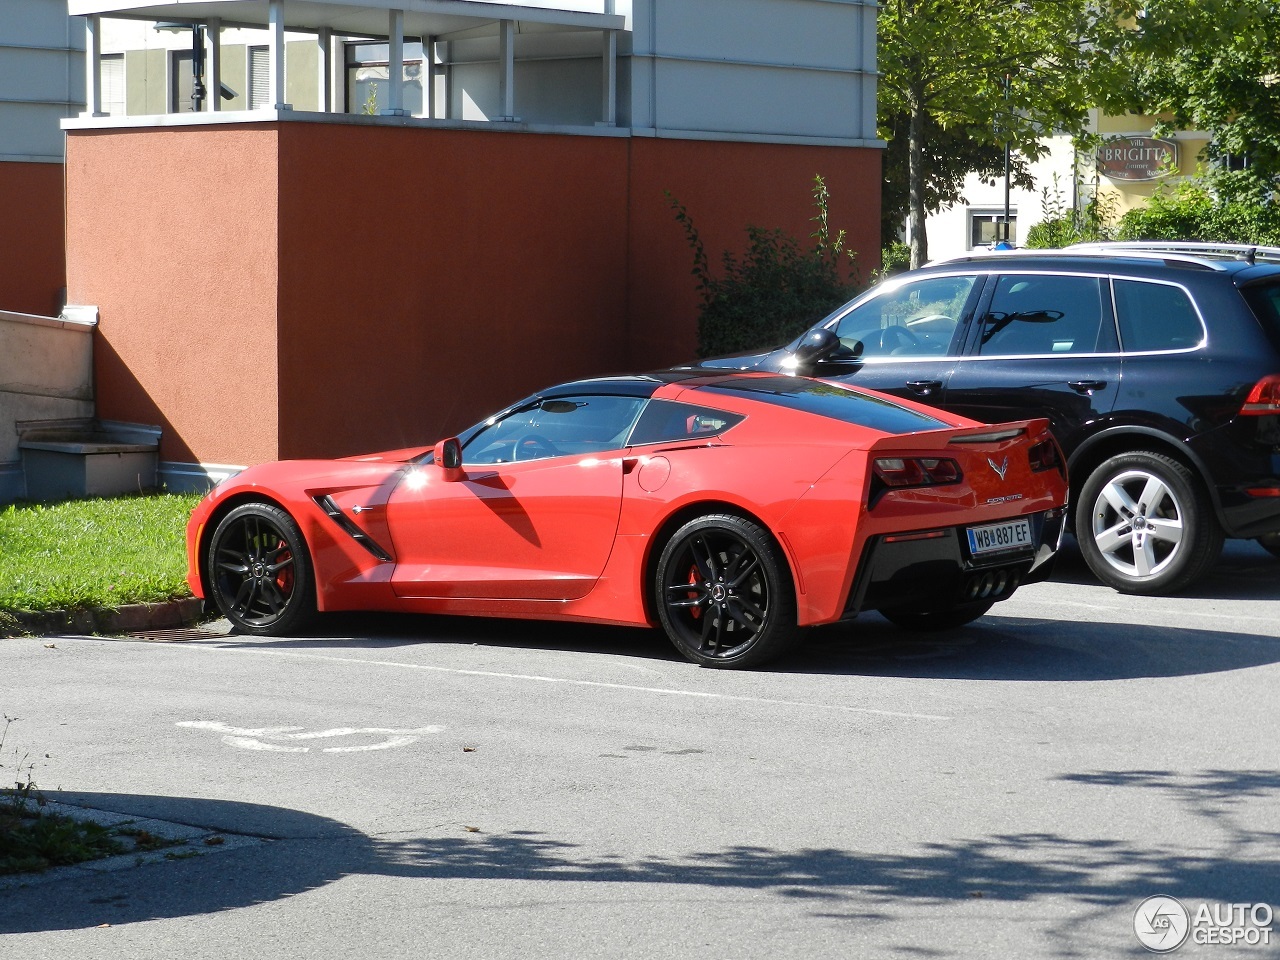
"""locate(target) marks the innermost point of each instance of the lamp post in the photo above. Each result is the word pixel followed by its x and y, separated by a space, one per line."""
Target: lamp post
pixel 1006 161
pixel 197 69
pixel 198 91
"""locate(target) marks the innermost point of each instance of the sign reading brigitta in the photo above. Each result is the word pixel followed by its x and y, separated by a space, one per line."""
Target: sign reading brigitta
pixel 1137 158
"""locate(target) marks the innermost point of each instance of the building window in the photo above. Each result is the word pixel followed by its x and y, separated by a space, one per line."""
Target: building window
pixel 1234 161
pixel 259 78
pixel 987 228
pixel 111 80
pixel 367 66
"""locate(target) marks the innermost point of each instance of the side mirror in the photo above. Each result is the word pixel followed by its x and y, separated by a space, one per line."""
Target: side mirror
pixel 448 455
pixel 817 345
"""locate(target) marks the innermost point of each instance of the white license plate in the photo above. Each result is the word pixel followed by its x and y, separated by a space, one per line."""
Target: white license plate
pixel 999 536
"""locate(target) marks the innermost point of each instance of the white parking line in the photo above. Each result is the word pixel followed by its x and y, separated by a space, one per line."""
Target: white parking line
pixel 664 691
pixel 260 738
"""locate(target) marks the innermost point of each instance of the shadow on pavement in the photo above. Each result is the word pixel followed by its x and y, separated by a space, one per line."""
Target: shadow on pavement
pixel 1008 648
pixel 1244 572
pixel 310 851
pixel 997 647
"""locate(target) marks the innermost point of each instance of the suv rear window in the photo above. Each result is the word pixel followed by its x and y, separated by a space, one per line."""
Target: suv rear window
pixel 1264 298
pixel 828 400
pixel 1155 316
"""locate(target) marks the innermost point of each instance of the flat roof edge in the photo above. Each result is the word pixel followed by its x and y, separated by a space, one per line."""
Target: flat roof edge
pixel 258 117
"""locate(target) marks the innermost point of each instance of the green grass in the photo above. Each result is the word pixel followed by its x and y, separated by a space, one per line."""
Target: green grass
pixel 33 841
pixel 94 553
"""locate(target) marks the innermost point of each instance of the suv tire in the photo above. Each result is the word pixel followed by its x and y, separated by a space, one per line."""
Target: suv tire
pixel 1145 524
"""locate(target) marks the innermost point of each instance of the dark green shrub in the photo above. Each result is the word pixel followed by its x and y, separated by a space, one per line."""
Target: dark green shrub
pixel 776 290
pixel 1217 208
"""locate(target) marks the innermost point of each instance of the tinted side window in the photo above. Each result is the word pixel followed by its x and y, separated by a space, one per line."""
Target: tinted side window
pixel 1046 315
pixel 664 420
pixel 1265 301
pixel 555 428
pixel 918 319
pixel 1155 316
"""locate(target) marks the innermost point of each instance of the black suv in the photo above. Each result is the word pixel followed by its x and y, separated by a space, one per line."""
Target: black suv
pixel 1157 364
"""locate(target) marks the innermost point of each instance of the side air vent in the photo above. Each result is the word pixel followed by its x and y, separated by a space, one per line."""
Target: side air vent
pixel 335 513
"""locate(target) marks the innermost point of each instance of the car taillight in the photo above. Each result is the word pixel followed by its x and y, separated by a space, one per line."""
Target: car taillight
pixel 899 472
pixel 1264 398
pixel 1046 456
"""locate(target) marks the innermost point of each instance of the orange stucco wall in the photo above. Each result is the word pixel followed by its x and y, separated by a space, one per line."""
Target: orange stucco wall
pixel 313 289
pixel 172 235
pixel 439 274
pixel 727 187
pixel 32 268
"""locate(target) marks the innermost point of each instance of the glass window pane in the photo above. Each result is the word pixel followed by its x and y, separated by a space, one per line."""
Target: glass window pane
pixel 368 91
pixel 1155 316
pixel 917 319
pixel 666 420
pixel 560 427
pixel 112 80
pixel 1045 315
pixel 259 78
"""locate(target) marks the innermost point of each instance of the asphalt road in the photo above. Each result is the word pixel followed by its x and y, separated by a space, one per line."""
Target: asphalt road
pixel 422 787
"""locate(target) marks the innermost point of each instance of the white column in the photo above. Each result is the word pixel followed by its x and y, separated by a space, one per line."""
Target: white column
pixel 395 65
pixel 93 67
pixel 213 35
pixel 609 106
pixel 433 72
pixel 507 70
pixel 324 82
pixel 275 74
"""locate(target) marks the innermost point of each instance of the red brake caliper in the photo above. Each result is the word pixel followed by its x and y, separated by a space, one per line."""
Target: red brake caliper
pixel 694 612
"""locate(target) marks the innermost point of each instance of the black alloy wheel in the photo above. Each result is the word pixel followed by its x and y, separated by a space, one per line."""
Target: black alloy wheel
pixel 724 593
pixel 258 571
pixel 928 621
pixel 1146 525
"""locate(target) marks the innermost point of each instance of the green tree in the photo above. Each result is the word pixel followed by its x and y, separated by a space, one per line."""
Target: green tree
pixel 1203 65
pixel 980 72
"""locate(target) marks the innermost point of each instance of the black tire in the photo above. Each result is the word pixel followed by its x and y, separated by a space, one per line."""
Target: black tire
pixel 724 593
pixel 259 572
pixel 929 621
pixel 1270 542
pixel 1145 524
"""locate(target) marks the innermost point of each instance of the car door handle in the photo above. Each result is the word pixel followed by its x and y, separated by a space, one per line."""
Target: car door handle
pixel 924 387
pixel 1086 386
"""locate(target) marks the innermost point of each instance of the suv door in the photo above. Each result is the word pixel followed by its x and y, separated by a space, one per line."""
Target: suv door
pixel 1041 345
pixel 904 339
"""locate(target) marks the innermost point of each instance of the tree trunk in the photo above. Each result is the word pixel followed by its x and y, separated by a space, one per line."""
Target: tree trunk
pixel 915 182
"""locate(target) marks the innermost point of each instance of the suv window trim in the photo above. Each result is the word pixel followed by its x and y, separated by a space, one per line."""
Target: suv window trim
pixel 986 274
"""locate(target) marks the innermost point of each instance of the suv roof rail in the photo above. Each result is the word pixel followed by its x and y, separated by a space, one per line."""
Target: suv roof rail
pixel 1248 252
pixel 1202 261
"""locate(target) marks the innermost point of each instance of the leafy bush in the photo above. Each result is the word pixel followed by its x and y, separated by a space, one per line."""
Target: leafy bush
pixel 894 258
pixel 1063 225
pixel 1218 208
pixel 776 290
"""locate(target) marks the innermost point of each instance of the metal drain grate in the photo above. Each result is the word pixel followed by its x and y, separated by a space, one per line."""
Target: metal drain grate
pixel 178 635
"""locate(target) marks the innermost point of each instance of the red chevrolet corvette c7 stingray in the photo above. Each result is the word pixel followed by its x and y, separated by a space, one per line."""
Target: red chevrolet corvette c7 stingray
pixel 730 509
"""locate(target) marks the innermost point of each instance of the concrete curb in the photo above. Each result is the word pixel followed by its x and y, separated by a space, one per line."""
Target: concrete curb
pixel 128 618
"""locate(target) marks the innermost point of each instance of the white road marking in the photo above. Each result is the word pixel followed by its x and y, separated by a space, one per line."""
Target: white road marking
pixel 599 684
pixel 259 738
